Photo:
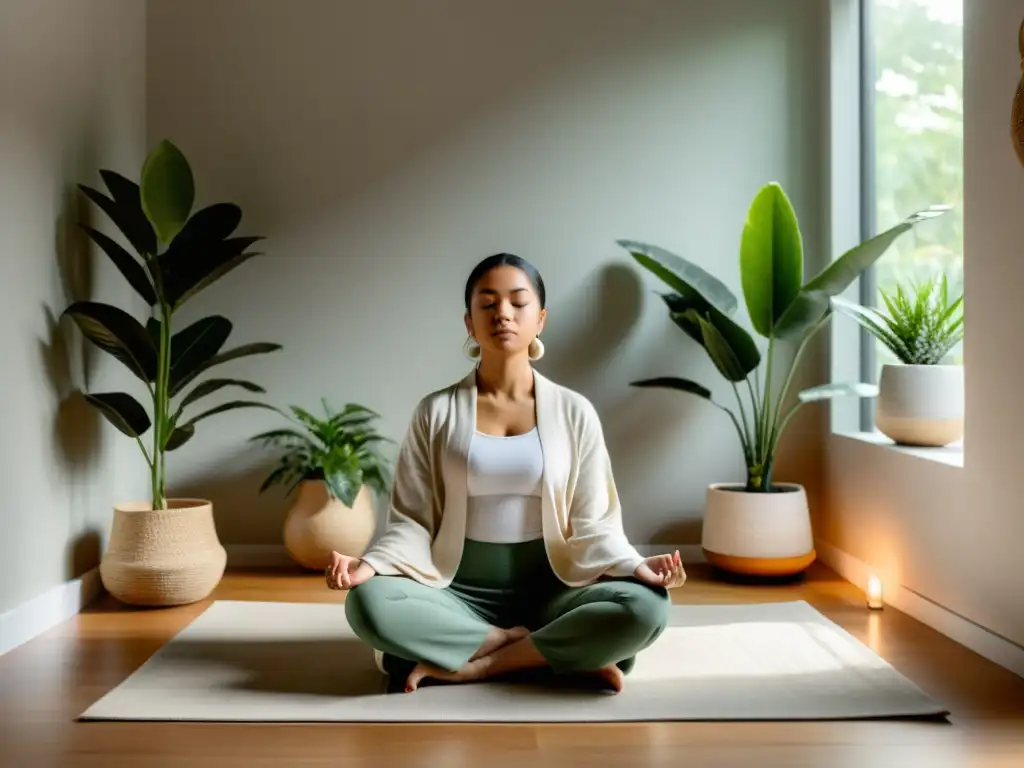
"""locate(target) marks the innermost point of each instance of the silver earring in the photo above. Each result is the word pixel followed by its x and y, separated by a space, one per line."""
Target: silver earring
pixel 536 349
pixel 470 348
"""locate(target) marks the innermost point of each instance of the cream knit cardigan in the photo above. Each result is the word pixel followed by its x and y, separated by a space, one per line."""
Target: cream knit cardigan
pixel 582 516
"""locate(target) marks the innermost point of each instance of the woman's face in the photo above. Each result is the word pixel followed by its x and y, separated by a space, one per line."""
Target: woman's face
pixel 505 313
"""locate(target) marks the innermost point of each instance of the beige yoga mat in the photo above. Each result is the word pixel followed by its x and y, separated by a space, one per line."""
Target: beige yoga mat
pixel 300 662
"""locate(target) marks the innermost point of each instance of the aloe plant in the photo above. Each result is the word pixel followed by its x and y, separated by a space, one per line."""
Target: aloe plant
pixel 337 448
pixel 178 253
pixel 783 309
pixel 922 324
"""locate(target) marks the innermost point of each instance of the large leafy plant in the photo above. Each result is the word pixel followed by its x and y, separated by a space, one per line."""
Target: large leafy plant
pixel 921 325
pixel 783 309
pixel 338 448
pixel 177 253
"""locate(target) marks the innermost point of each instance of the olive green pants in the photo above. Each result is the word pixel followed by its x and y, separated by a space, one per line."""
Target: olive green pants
pixel 507 585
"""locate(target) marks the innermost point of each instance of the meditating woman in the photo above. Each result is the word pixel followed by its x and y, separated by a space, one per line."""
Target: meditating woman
pixel 504 548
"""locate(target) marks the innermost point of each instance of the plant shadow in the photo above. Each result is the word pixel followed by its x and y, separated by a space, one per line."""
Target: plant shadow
pixel 66 358
pixel 612 301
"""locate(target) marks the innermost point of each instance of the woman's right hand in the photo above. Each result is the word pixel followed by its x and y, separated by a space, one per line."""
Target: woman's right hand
pixel 345 572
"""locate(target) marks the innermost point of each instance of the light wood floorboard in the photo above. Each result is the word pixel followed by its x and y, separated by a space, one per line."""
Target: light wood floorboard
pixel 47 682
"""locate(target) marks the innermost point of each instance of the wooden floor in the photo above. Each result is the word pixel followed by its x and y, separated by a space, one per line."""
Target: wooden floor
pixel 46 683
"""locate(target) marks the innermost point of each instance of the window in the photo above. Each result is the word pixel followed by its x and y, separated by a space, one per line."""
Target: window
pixel 912 106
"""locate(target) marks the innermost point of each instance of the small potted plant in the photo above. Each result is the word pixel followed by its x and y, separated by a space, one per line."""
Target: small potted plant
pixel 761 526
pixel 333 463
pixel 164 551
pixel 920 397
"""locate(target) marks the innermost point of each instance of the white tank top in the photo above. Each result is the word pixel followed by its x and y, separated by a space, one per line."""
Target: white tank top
pixel 505 474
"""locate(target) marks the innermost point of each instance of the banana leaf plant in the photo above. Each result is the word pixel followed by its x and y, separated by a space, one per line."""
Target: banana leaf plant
pixel 783 309
pixel 177 253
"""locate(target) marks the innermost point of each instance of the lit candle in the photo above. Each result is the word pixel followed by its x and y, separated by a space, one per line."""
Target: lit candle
pixel 874 593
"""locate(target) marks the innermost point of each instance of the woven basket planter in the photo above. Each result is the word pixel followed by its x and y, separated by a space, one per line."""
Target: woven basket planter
pixel 163 557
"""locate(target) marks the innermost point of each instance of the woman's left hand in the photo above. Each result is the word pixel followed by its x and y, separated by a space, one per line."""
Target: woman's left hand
pixel 662 571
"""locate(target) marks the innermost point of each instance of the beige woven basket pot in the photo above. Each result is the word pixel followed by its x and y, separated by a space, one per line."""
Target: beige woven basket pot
pixel 163 557
pixel 318 523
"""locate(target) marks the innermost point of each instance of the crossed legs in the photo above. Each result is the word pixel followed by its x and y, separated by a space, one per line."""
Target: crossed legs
pixel 597 629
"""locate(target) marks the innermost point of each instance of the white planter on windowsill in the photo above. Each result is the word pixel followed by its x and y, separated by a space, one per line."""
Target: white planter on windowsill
pixel 921 405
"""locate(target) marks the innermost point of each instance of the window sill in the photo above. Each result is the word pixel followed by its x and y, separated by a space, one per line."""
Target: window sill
pixel 951 455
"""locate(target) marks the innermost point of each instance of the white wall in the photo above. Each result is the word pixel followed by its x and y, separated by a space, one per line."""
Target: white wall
pixel 954 535
pixel 385 147
pixel 72 101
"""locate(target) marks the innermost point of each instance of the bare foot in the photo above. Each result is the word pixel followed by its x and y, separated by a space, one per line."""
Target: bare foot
pixel 498 637
pixel 478 665
pixel 611 676
pixel 472 670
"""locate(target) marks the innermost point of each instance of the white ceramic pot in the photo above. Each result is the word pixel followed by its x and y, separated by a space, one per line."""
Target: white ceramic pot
pixel 318 524
pixel 921 404
pixel 162 557
pixel 758 534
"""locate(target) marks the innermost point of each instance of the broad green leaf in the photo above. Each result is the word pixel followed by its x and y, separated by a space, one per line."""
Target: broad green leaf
pixel 180 436
pixel 676 383
pixel 742 343
pixel 117 333
pixel 167 190
pixel 691 282
pixel 807 310
pixel 210 386
pixel 187 273
pixel 677 307
pixel 123 411
pixel 720 351
pixel 128 197
pixel 194 345
pixel 738 339
pixel 153 328
pixel 223 407
pixel 813 302
pixel 256 348
pixel 207 226
pixel 124 210
pixel 771 258
pixel 377 477
pixel 840 274
pixel 126 264
pixel 343 486
pixel 829 391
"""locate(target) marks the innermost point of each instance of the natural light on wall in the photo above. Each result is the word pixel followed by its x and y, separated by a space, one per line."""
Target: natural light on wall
pixel 917 48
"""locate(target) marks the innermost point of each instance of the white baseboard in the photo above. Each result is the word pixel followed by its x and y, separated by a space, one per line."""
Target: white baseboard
pixel 970 635
pixel 53 607
pixel 276 556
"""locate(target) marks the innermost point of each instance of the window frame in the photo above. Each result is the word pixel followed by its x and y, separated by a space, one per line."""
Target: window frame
pixel 868 286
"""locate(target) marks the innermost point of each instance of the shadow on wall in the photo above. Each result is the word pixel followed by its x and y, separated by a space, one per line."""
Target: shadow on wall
pixel 417 104
pixel 66 360
pixel 587 330
pixel 77 423
pixel 84 552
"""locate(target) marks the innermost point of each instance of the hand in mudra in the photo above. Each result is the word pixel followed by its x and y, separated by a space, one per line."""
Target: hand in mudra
pixel 345 572
pixel 662 571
